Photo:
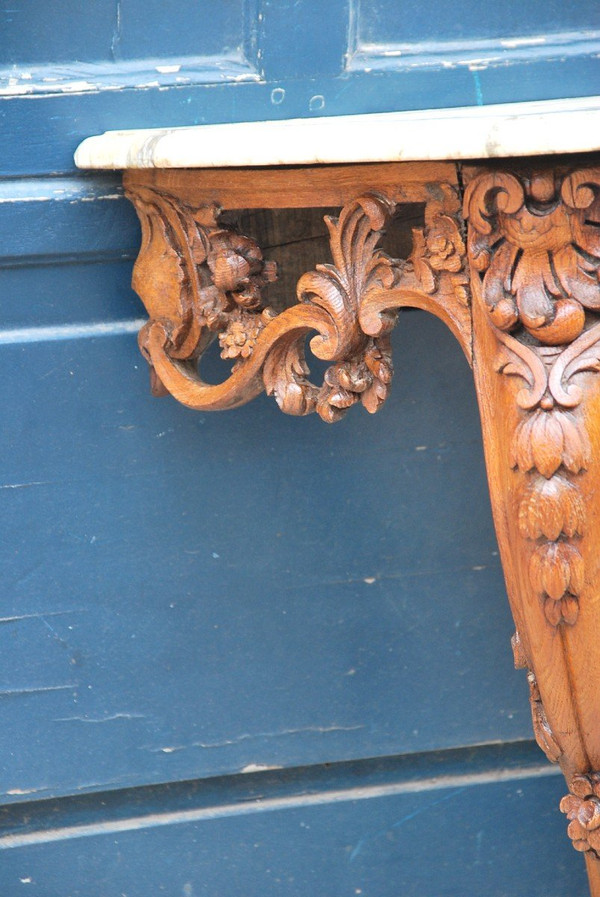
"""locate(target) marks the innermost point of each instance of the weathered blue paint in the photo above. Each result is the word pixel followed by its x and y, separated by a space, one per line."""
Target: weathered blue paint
pixel 189 596
pixel 252 591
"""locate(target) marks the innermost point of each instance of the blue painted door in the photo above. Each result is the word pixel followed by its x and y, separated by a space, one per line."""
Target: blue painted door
pixel 246 654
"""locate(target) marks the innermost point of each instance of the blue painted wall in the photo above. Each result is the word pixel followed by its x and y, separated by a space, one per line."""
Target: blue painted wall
pixel 246 654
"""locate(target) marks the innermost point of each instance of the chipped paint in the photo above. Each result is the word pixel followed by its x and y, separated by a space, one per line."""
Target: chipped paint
pixel 451 54
pixel 524 41
pixel 82 78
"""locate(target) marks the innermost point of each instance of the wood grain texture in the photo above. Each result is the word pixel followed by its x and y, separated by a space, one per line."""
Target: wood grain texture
pixel 294 186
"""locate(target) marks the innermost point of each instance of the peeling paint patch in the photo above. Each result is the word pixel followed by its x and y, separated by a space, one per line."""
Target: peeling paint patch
pixel 248 736
pixel 101 719
pixel 18 692
pixel 524 41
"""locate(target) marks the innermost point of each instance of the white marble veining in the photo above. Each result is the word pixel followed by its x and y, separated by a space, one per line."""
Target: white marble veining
pixel 477 132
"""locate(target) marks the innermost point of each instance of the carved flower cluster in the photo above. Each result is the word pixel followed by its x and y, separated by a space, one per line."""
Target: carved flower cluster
pixel 545 440
pixel 238 273
pixel 556 572
pixel 243 329
pixel 436 249
pixel 551 508
pixel 582 808
pixel 365 378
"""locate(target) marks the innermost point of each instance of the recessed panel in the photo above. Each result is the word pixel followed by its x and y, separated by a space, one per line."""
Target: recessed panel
pixel 386 22
pixel 112 30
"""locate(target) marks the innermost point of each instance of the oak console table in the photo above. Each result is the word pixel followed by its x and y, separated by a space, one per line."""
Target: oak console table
pixel 508 258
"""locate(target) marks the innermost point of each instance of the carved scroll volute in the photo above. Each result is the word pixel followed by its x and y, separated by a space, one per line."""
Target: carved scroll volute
pixel 534 252
pixel 199 281
pixel 434 278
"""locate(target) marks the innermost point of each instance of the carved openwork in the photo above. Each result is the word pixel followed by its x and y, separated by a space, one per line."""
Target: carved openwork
pixel 200 281
pixel 522 296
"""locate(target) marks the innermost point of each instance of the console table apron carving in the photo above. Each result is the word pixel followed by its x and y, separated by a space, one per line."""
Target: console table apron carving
pixel 508 258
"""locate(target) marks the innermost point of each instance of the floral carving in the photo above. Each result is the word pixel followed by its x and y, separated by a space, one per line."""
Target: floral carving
pixel 364 371
pixel 439 249
pixel 582 809
pixel 536 244
pixel 241 332
pixel 209 282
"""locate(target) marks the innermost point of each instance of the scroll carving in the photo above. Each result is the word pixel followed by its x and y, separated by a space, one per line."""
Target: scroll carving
pixel 434 277
pixel 200 281
pixel 536 244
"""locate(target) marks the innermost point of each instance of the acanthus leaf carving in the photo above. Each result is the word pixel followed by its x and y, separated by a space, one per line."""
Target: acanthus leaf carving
pixel 212 285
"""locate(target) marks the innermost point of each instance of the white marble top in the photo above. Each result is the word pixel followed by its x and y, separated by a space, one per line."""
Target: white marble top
pixel 473 132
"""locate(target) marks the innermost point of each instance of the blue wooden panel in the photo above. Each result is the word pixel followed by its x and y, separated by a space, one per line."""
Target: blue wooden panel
pixel 387 22
pixel 300 38
pixel 81 218
pixel 470 835
pixel 190 594
pixel 107 31
pixel 66 293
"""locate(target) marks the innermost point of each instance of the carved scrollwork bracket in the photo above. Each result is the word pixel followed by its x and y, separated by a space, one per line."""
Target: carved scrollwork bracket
pixel 200 281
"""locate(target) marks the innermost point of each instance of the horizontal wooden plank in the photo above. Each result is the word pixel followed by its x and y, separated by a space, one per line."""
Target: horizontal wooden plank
pixel 468 834
pixel 177 601
pixel 66 294
pixel 540 23
pixel 296 187
pixel 82 816
pixel 48 219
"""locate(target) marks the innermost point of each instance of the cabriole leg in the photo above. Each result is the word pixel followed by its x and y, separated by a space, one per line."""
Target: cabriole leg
pixel 534 255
